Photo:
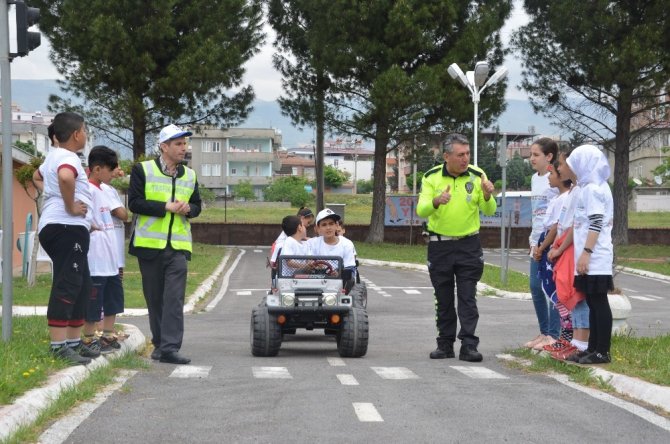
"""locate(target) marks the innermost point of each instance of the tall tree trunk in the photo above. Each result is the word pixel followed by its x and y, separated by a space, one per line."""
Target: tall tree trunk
pixel 139 136
pixel 320 134
pixel 621 168
pixel 376 233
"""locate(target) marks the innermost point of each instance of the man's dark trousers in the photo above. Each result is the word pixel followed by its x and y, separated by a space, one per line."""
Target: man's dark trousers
pixel 459 262
pixel 164 286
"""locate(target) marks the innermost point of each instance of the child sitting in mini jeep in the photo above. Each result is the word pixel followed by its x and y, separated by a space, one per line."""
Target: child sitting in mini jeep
pixel 328 243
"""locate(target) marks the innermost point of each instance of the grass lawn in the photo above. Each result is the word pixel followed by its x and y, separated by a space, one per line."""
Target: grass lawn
pixel 416 254
pixel 204 260
pixel 654 258
pixel 644 358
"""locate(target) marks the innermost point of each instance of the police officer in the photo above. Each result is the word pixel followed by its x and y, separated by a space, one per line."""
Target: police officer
pixel 451 196
pixel 163 195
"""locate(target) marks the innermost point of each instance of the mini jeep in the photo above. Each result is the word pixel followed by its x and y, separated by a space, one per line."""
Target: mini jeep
pixel 312 292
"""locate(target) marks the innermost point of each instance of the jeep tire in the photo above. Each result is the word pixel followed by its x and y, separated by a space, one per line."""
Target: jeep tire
pixel 359 295
pixel 266 334
pixel 352 341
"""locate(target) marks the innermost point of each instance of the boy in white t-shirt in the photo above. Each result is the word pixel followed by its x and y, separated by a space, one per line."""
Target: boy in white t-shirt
pixel 294 244
pixel 63 232
pixel 107 293
pixel 328 243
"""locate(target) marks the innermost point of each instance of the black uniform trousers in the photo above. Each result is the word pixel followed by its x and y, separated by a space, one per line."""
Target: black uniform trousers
pixel 164 287
pixel 456 263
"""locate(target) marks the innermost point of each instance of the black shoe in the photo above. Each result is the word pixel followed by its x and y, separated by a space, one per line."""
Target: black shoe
pixel 469 353
pixel 575 357
pixel 156 354
pixel 596 358
pixel 174 358
pixel 443 351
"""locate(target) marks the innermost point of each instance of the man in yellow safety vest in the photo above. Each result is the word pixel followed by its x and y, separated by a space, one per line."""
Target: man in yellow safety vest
pixel 163 196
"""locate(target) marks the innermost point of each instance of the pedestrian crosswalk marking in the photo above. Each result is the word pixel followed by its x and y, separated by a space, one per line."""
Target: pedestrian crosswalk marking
pixel 336 362
pixel 191 371
pixel 642 298
pixel 271 373
pixel 412 291
pixel 258 251
pixel 394 373
pixel 367 412
pixel 244 293
pixel 630 290
pixel 478 372
pixel 347 379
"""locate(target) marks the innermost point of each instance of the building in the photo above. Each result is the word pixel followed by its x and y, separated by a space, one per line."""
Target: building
pixel 222 158
pixel 646 152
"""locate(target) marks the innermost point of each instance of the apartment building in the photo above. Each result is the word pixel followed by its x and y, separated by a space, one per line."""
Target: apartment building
pixel 224 157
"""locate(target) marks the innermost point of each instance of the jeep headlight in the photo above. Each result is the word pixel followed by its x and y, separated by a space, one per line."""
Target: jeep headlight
pixel 288 299
pixel 330 298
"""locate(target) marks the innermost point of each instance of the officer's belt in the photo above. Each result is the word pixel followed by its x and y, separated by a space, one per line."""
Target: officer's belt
pixel 439 237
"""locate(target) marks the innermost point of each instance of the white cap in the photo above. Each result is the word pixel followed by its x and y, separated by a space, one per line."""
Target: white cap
pixel 172 132
pixel 327 212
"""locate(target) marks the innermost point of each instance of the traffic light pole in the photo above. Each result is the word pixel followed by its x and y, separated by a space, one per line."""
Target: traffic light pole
pixel 7 184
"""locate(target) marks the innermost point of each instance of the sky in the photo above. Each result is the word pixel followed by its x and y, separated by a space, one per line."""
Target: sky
pixel 260 73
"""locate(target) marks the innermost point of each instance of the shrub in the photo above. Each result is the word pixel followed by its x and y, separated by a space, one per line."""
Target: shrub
pixel 288 189
pixel 244 190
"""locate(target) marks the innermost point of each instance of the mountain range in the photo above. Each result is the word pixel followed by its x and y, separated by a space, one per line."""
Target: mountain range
pixel 33 95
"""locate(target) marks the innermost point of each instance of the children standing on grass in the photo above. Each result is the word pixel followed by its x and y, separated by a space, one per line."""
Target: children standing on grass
pixel 63 231
pixel 546 266
pixel 107 293
pixel 542 153
pixel 563 256
pixel 594 253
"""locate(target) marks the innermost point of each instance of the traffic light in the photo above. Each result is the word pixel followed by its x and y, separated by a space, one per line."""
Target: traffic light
pixel 26 17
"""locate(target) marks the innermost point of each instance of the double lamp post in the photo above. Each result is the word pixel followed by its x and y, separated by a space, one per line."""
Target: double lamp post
pixel 476 82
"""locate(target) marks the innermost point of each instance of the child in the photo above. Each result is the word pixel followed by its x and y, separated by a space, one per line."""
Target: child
pixel 542 152
pixel 594 253
pixel 306 218
pixel 107 292
pixel 63 231
pixel 295 231
pixel 328 243
pixel 546 270
pixel 562 253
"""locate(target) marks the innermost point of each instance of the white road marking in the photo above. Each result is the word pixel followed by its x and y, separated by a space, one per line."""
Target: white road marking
pixel 271 373
pixel 224 283
pixel 412 291
pixel 347 379
pixel 643 413
pixel 389 287
pixel 244 293
pixel 385 294
pixel 250 289
pixel 478 372
pixel 258 251
pixel 641 298
pixel 630 290
pixel 336 362
pixel 394 373
pixel 62 428
pixel 658 298
pixel 191 371
pixel 367 412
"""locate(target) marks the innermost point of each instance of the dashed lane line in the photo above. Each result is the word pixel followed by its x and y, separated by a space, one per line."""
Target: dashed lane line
pixel 642 298
pixel 191 371
pixel 478 372
pixel 412 291
pixel 367 412
pixel 346 379
pixel 271 373
pixel 244 293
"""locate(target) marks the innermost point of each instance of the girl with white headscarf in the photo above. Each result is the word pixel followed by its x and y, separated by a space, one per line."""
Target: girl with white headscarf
pixel 592 237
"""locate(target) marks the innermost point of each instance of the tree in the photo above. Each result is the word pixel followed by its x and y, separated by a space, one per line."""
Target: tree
pixel 305 80
pixel 288 189
pixel 24 176
pixel 517 171
pixel 388 61
pixel 333 177
pixel 595 67
pixel 133 67
pixel 244 190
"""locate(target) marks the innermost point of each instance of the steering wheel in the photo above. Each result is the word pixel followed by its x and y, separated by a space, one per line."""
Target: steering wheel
pixel 325 266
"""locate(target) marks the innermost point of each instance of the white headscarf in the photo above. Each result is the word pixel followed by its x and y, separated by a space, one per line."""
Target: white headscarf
pixel 589 165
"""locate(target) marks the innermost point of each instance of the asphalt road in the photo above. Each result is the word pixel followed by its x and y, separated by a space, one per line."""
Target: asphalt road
pixel 393 394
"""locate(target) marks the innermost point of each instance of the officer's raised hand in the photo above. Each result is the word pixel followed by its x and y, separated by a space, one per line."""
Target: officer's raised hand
pixel 443 198
pixel 487 187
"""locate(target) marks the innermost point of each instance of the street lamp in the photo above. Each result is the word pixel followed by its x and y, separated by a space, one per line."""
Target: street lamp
pixel 475 81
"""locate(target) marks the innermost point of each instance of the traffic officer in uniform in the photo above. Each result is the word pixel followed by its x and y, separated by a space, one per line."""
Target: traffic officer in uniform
pixel 163 195
pixel 452 194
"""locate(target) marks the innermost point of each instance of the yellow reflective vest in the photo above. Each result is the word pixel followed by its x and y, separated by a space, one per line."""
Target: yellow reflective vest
pixel 154 232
